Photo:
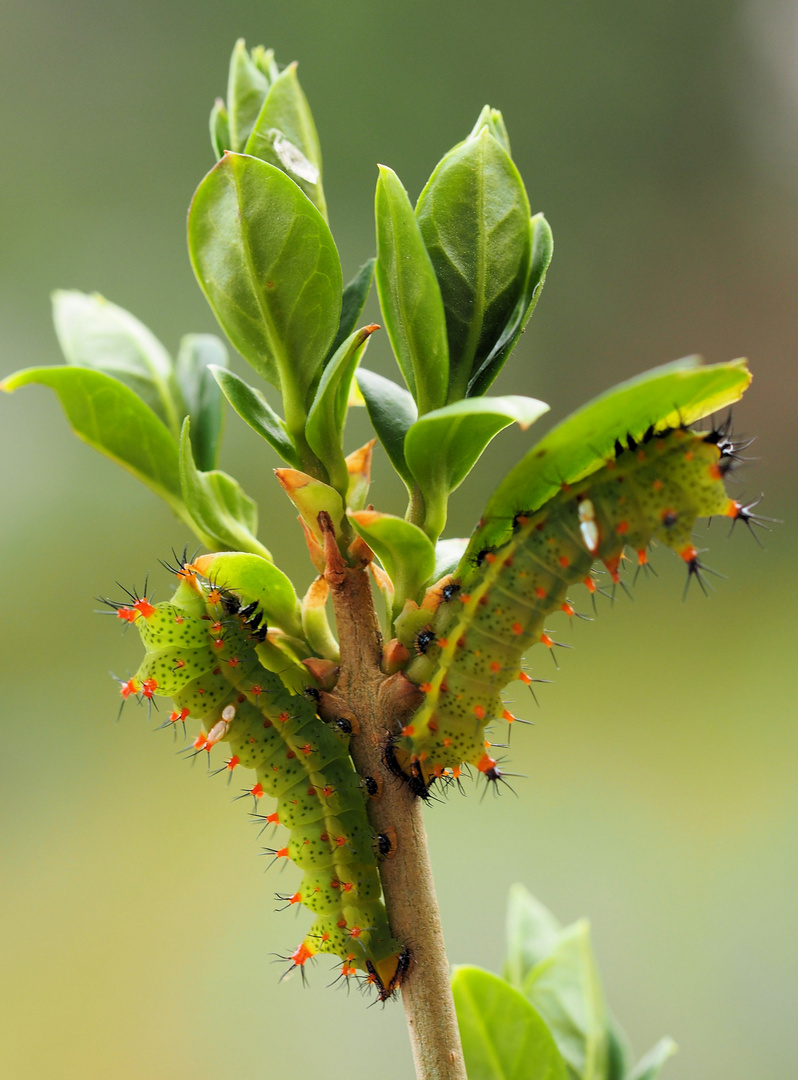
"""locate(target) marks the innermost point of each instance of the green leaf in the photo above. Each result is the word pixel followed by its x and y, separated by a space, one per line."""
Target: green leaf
pixel 220 128
pixel 443 446
pixel 532 933
pixel 493 120
pixel 565 989
pixel 252 406
pixel 618 1050
pixel 447 555
pixel 247 86
pixel 197 354
pixel 404 551
pixel 352 304
pixel 409 296
pixel 94 333
pixel 224 516
pixel 503 1037
pixel 650 1066
pixel 285 135
pixel 268 265
pixel 542 251
pixel 681 392
pixel 310 496
pixel 256 579
pixel 474 215
pixel 392 412
pixel 315 624
pixel 114 420
pixel 327 415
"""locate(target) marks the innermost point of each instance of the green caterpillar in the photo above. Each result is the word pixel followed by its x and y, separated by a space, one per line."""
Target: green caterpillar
pixel 207 653
pixel 495 605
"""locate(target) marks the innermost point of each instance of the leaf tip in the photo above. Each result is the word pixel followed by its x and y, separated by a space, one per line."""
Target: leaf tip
pixel 365 517
pixel 291 479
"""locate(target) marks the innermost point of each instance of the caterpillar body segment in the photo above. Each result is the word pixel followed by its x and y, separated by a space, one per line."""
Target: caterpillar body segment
pixel 203 653
pixel 495 606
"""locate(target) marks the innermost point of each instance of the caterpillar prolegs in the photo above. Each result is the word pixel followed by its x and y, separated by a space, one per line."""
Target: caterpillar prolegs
pixel 495 605
pixel 205 652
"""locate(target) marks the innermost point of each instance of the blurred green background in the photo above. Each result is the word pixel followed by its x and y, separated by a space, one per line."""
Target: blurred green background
pixel 660 139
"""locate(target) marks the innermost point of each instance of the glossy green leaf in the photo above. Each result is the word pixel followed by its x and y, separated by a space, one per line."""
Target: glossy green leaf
pixel 358 465
pixel 650 1066
pixel 503 1037
pixel 327 415
pixel 220 128
pixel 256 579
pixel 409 296
pixel 532 933
pixel 542 251
pixel 447 555
pixel 315 624
pixel 405 552
pixel 224 516
pixel 443 446
pixel 352 303
pixel 201 394
pixel 392 412
pixel 681 392
pixel 94 333
pixel 564 987
pixel 114 420
pixel 268 265
pixel 284 134
pixel 310 496
pixel 247 86
pixel 474 215
pixel 252 406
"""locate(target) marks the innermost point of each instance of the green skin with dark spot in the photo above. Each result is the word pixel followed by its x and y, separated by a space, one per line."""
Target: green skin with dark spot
pixel 655 492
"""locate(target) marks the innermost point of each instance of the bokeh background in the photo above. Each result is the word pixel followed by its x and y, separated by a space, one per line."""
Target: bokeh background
pixel 136 925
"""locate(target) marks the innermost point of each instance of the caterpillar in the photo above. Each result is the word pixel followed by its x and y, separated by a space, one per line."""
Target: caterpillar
pixel 207 652
pixel 495 605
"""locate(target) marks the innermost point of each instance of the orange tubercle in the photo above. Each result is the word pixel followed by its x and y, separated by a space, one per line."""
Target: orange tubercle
pixel 689 553
pixel 128 688
pixel 486 763
pixel 144 607
pixel 301 955
pixel 612 566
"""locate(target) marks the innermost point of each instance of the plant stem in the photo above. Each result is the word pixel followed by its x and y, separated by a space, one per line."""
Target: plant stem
pixel 377 703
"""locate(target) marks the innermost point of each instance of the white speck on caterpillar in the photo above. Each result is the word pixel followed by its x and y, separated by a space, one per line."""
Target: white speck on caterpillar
pixel 587 525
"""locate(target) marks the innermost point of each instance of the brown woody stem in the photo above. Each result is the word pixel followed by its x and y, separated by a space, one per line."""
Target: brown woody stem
pixel 379 704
